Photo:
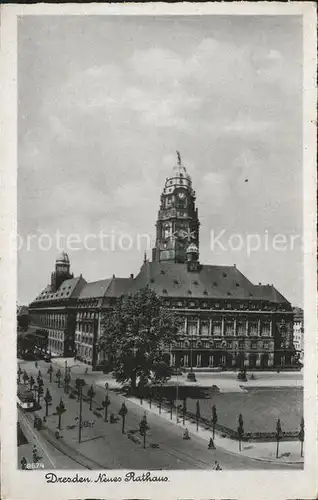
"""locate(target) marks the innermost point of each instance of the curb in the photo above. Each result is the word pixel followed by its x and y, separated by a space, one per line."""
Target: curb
pixel 232 452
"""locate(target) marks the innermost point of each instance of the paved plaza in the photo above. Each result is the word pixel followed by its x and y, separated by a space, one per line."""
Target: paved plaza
pixel 104 445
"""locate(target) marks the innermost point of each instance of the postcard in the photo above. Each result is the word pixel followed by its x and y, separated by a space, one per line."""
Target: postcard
pixel 158 251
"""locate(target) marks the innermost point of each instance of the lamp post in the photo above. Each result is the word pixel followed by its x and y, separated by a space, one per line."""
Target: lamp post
pixel 302 436
pixel 80 383
pixel 50 372
pixel 191 353
pixel 106 402
pixel 177 390
pixel 143 428
pixel 278 435
pixel 60 409
pixel 240 430
pixel 65 377
pixel 123 412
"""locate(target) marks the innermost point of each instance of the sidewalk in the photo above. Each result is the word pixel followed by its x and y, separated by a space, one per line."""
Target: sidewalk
pixel 289 451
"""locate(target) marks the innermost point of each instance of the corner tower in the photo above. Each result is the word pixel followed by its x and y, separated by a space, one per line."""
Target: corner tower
pixel 178 223
pixel 62 271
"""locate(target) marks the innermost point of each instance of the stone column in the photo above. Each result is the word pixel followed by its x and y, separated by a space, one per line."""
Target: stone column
pixel 235 328
pixel 246 361
pixel 198 327
pixel 270 359
pixel 171 359
pixel 259 327
pixel 211 360
pixel 198 360
pixel 222 328
pixel 186 325
pixel 271 328
pixel 186 360
pixel 210 327
pixel 258 360
pixel 246 328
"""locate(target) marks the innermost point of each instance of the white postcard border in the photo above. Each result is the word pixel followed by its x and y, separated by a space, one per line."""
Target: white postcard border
pixel 280 484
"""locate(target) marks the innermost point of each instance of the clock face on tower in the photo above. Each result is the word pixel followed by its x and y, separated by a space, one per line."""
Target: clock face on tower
pixel 181 195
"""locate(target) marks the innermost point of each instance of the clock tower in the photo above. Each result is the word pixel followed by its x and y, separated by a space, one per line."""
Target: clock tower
pixel 178 223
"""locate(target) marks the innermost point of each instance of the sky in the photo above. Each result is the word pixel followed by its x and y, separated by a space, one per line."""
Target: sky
pixel 105 102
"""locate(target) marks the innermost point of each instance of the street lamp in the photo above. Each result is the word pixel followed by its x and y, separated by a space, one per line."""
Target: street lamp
pixel 106 402
pixel 80 383
pixel 65 376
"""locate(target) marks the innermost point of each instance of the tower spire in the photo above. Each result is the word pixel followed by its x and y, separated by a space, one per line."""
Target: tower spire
pixel 178 222
pixel 179 157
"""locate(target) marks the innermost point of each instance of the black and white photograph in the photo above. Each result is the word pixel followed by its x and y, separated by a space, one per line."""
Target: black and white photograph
pixel 160 321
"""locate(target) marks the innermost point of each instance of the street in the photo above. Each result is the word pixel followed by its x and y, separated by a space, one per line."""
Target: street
pixel 104 446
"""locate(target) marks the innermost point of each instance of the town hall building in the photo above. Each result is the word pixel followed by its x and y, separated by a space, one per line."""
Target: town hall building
pixel 227 321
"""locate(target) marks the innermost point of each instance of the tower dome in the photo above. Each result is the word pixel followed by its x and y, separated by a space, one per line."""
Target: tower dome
pixel 178 179
pixel 192 248
pixel 62 258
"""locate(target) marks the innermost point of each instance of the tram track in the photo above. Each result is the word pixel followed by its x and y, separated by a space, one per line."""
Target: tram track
pixel 66 450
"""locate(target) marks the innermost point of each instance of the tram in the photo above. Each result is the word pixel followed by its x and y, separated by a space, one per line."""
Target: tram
pixel 25 398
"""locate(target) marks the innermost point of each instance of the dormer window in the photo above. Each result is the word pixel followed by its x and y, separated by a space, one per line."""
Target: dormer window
pixel 205 292
pixel 195 283
pixel 162 271
pixel 164 291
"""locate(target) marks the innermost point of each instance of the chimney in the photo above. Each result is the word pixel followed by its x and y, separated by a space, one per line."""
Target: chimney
pixel 132 276
pixel 114 276
pixel 259 283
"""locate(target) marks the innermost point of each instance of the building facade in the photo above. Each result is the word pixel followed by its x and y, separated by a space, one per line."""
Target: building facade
pixel 298 332
pixel 227 320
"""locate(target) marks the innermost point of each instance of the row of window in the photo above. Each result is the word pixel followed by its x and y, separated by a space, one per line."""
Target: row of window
pixel 87 304
pixel 56 345
pixel 222 345
pixel 56 335
pixel 198 304
pixel 85 352
pixel 51 320
pixel 84 340
pixel 86 315
pixel 230 329
pixel 85 327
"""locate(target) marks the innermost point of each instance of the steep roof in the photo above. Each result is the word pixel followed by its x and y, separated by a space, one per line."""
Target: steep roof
pixel 119 286
pixel 111 287
pixel 94 289
pixel 269 292
pixel 174 280
pixel 69 289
